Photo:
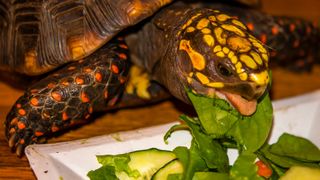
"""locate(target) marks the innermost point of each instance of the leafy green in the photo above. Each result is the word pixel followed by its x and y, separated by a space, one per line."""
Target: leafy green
pixel 283 161
pixel 216 115
pixel 295 147
pixel 103 173
pixel 210 175
pixel 245 168
pixel 120 162
pixel 217 128
pixel 210 150
pixel 251 132
pixel 190 159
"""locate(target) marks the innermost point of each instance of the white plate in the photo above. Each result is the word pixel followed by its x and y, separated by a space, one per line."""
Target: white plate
pixel 72 160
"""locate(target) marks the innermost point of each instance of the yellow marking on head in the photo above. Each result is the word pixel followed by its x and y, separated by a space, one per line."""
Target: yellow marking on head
pixel 223 17
pixel 225 50
pixel 220 54
pixel 256 57
pixel 265 57
pixel 212 18
pixel 190 29
pixel 232 57
pixel 202 78
pixel 216 11
pixel 240 44
pixel 204 22
pixel 258 45
pixel 215 84
pixel 261 78
pixel 234 29
pixel 190 20
pixel 214 24
pixel 239 67
pixel 218 32
pixel 209 40
pixel 206 31
pixel 191 74
pixel 238 23
pixel 248 61
pixel 243 76
pixel 198 61
pixel 217 48
pixel 189 80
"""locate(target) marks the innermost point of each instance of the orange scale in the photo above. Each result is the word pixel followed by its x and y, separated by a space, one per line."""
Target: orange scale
pixel 56 96
pixel 22 112
pixel 38 133
pixel 84 97
pixel 114 69
pixel 18 105
pixel 34 101
pixel 65 116
pixel 54 129
pixel 98 77
pixel 122 56
pixel 79 80
pixel 14 121
pixel 21 125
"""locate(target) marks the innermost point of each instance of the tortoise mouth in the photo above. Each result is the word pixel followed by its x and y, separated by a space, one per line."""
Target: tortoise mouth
pixel 244 106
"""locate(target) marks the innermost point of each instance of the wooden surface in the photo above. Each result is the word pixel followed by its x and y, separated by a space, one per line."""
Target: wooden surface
pixel 285 84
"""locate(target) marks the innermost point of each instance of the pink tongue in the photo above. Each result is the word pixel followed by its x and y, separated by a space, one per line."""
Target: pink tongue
pixel 244 106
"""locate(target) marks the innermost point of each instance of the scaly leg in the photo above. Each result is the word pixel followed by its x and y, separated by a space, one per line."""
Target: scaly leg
pixel 68 96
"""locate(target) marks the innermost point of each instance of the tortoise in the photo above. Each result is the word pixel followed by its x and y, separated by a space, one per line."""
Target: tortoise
pixel 77 45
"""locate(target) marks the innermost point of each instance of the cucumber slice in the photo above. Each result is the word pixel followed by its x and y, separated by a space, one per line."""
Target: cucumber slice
pixel 138 164
pixel 173 167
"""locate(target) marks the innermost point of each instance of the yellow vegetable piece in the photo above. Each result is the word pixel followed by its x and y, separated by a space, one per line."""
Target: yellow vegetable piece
pixel 301 173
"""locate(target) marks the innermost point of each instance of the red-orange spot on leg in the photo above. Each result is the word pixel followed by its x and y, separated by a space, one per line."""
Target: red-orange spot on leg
pixel 275 30
pixel 122 56
pixel 38 133
pixel 90 110
pixel 14 121
pixel 122 79
pixel 114 69
pixel 54 129
pixel 292 27
pixel 34 91
pixel 250 26
pixel 21 125
pixel 88 70
pixel 12 130
pixel 22 141
pixel 65 116
pixel 98 77
pixel 56 96
pixel 263 38
pixel 34 101
pixel 87 116
pixel 79 80
pixel 106 94
pixel 22 112
pixel 123 46
pixel 84 97
pixel 18 105
pixel 51 85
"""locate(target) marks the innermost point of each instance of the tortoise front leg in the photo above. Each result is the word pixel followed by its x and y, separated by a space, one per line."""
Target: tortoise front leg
pixel 68 96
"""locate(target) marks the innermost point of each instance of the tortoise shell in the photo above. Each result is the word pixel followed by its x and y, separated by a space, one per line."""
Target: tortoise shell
pixel 37 36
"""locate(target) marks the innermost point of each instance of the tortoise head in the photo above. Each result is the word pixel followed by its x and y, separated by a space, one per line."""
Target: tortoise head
pixel 217 57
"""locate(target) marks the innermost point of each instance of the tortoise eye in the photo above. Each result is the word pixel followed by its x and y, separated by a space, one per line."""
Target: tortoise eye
pixel 224 71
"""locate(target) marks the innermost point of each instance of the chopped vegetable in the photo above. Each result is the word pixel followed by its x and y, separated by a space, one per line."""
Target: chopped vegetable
pixel 217 128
